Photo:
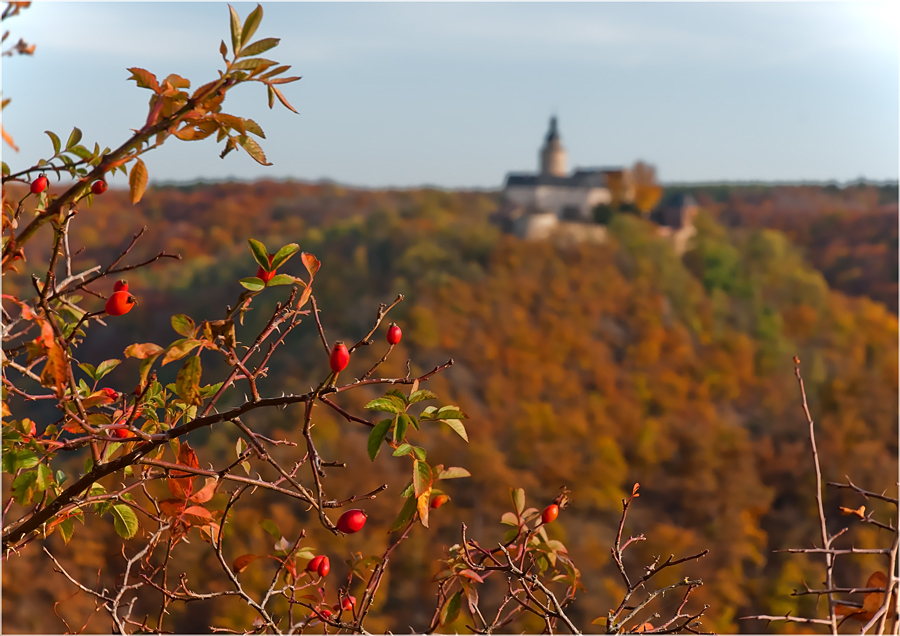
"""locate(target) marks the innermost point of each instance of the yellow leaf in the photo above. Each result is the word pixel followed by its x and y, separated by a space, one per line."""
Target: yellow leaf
pixel 137 181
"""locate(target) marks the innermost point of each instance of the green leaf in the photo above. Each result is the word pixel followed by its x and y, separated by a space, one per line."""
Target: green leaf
pixel 178 349
pixel 450 412
pixel 257 64
pixel 376 437
pixel 89 369
pixel 126 521
pixel 251 24
pixel 422 477
pixel 260 254
pixel 400 429
pixel 409 490
pixel 82 153
pixel 385 404
pixel 282 255
pixel 74 138
pixel 44 477
pixel 253 149
pixel 235 30
pixel 518 498
pixel 183 325
pixel 283 279
pixel 253 283
pixel 454 472
pixel 14 460
pixel 105 367
pixel 269 526
pixel 187 385
pixel 399 395
pixel 55 141
pixel 421 395
pixel 458 427
pixel 450 611
pixel 419 452
pixel 403 449
pixel 428 413
pixel 260 46
pixel 23 487
pixel 66 530
pixel 510 519
pixel 406 513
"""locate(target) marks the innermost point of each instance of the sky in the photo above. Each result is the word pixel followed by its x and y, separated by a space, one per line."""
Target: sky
pixel 456 95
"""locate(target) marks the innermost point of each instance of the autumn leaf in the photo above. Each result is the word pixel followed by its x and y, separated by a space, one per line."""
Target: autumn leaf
pixel 137 181
pixel 860 512
pixel 240 564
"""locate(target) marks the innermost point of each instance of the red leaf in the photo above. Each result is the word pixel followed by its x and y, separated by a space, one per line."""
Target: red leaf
pixel 469 574
pixel 172 507
pixel 240 564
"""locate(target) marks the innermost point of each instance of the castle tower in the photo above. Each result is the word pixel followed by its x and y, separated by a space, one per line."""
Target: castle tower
pixel 553 155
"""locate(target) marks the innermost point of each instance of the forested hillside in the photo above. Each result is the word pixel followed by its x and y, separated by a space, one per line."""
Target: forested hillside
pixel 593 366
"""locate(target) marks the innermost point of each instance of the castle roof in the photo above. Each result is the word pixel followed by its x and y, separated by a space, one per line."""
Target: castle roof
pixel 581 178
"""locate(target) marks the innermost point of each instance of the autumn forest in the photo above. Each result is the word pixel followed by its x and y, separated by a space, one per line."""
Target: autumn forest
pixel 592 367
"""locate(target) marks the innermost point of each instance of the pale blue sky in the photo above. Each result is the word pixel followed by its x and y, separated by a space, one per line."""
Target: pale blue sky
pixel 457 95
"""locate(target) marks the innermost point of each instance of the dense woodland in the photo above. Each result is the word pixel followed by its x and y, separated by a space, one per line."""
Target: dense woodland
pixel 590 366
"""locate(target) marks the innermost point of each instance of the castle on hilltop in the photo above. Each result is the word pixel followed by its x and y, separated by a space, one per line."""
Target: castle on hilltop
pixel 572 206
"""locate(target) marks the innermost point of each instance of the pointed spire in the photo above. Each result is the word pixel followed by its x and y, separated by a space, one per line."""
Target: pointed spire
pixel 553 133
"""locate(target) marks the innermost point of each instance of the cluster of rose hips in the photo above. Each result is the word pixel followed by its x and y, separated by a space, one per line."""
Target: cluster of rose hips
pixel 120 302
pixel 340 355
pixel 40 184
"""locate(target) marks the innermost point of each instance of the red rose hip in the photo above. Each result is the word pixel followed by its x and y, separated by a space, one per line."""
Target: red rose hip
pixel 121 432
pixel 99 187
pixel 120 303
pixel 348 603
pixel 439 501
pixel 351 521
pixel 394 334
pixel 39 185
pixel 313 566
pixel 550 513
pixel 121 285
pixel 340 357
pixel 324 567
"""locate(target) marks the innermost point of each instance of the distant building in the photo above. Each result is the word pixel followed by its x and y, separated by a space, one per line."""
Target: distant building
pixel 568 197
pixel 553 202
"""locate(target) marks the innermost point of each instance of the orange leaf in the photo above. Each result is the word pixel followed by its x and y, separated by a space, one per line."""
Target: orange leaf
pixel 210 532
pixel 143 350
pixel 55 369
pixel 240 564
pixel 206 493
pixel 646 627
pixel 137 181
pixel 634 491
pixel 311 263
pixel 198 515
pixel 860 512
